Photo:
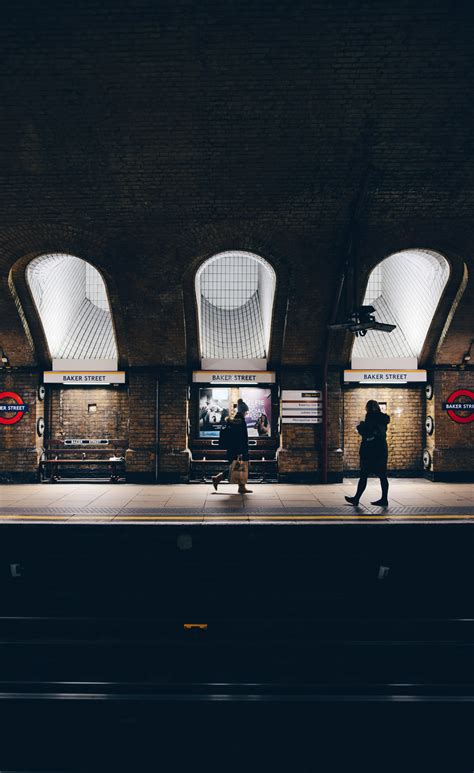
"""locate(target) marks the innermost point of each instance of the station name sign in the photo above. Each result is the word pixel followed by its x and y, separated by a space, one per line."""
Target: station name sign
pixel 460 400
pixel 84 378
pixel 18 408
pixel 372 377
pixel 83 441
pixel 234 377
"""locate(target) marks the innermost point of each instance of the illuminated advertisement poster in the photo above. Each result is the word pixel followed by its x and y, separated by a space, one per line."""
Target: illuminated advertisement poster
pixel 259 418
pixel 213 409
pixel 215 405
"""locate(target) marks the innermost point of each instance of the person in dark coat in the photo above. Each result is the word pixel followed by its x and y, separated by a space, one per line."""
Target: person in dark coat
pixel 373 452
pixel 237 443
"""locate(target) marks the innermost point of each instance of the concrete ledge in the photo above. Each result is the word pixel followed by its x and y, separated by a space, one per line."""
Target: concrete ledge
pixel 390 474
pixel 19 477
pixel 463 476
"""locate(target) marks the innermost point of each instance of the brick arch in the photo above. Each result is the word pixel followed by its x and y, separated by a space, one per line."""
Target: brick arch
pixel 374 246
pixel 455 294
pixel 271 255
pixel 72 302
pixel 405 289
pixel 90 249
pixel 235 292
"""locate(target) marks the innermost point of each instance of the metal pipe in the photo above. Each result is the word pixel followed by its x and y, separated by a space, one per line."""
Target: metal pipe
pixel 157 430
pixel 350 260
pixel 325 449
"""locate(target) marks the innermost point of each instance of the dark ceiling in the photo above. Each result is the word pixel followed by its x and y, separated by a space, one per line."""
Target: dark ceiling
pixel 148 134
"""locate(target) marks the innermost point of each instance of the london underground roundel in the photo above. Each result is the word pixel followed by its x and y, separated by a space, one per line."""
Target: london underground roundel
pixel 460 400
pixel 18 408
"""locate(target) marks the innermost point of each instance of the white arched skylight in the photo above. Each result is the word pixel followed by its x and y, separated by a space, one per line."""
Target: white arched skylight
pixel 405 290
pixel 234 293
pixel 73 306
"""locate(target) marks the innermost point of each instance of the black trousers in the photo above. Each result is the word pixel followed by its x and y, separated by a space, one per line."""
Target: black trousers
pixel 364 474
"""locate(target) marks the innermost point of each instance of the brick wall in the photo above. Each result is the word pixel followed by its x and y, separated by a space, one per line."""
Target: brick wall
pixel 299 454
pixel 130 414
pixel 143 142
pixel 335 428
pixel 20 444
pixel 70 416
pixel 451 446
pixel 173 415
pixel 406 431
pixel 141 454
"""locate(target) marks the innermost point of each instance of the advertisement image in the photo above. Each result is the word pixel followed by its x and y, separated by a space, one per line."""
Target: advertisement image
pixel 213 409
pixel 259 419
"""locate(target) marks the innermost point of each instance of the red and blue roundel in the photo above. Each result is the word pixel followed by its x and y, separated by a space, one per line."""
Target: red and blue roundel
pixel 18 408
pixel 455 404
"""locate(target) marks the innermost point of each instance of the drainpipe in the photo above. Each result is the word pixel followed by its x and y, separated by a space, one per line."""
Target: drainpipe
pixel 350 260
pixel 332 319
pixel 157 429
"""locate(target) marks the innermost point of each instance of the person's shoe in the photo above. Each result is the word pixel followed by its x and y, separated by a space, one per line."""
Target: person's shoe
pixel 216 479
pixel 243 490
pixel 352 500
pixel 380 503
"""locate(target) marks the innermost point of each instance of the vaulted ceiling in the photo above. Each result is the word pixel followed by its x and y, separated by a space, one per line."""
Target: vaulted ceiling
pixel 145 137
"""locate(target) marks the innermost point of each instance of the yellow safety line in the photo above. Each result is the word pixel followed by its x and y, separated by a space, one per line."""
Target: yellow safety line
pixel 98 517
pixel 29 515
pixel 358 517
pixel 172 517
pixel 243 517
pixel 433 515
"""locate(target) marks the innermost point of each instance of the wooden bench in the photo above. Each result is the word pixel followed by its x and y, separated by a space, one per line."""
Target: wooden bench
pixel 58 457
pixel 211 460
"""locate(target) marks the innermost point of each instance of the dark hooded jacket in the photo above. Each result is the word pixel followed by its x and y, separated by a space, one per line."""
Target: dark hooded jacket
pixel 236 438
pixel 373 449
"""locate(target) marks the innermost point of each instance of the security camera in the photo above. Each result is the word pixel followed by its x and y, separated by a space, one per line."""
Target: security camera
pixel 361 320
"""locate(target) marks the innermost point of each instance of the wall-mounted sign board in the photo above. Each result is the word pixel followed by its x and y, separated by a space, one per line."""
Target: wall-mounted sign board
pixel 294 411
pixel 78 378
pixel 460 406
pixel 301 419
pixel 301 406
pixel 301 395
pixel 310 405
pixel 233 377
pixel 374 377
pixel 15 406
pixel 84 441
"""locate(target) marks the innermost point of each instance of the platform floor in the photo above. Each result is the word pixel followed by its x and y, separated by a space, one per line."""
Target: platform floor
pixel 411 499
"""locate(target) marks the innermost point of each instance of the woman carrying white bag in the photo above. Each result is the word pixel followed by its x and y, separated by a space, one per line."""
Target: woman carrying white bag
pixel 234 438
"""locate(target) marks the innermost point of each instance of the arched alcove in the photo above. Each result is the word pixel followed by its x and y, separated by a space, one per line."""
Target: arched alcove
pixel 72 302
pixel 404 289
pixel 235 294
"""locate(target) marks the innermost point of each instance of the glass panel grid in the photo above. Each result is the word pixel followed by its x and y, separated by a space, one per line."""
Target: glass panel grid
pixel 404 289
pixel 72 302
pixel 231 318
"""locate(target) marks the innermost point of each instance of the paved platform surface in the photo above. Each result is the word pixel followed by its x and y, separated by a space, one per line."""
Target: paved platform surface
pixel 410 499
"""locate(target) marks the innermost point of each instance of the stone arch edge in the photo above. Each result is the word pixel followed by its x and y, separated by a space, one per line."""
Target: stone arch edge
pixel 81 245
pixel 262 249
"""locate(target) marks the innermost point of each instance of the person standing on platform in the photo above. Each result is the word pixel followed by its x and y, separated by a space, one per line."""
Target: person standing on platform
pixel 235 436
pixel 373 452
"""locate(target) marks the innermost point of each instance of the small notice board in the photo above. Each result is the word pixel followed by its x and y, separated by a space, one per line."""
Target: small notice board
pixel 301 406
